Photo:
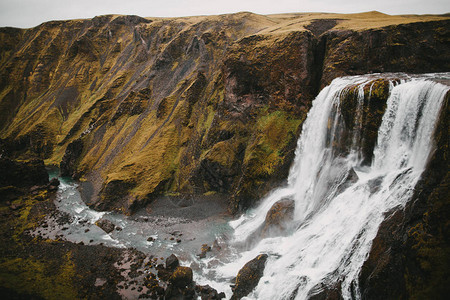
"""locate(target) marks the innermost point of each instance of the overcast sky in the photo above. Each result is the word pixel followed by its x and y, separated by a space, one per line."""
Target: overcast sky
pixel 30 13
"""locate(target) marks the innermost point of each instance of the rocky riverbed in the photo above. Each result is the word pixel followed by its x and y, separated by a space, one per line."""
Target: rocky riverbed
pixel 54 246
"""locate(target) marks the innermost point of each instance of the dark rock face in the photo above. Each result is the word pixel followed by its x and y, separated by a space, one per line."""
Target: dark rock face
pixel 208 293
pixel 22 174
pixel 53 184
pixel 365 120
pixel 409 256
pixel 114 195
pixel 410 48
pixel 248 277
pixel 181 277
pixel 172 262
pixel 69 162
pixel 278 216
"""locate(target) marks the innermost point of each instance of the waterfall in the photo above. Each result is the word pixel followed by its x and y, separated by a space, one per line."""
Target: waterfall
pixel 335 218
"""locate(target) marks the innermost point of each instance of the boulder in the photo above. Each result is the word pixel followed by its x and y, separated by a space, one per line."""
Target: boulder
pixel 208 293
pixel 181 277
pixel 249 276
pixel 106 225
pixel 278 216
pixel 350 179
pixel 163 273
pixel 204 250
pixel 172 262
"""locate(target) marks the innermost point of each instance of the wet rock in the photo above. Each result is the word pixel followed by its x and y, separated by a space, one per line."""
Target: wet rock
pixel 172 262
pixel 106 225
pixel 181 277
pixel 163 273
pixel 205 249
pixel 150 239
pixel 351 178
pixel 324 292
pixel 278 216
pixel 248 277
pixel 152 283
pixel 53 185
pixel 208 293
pixel 370 115
pixel 375 184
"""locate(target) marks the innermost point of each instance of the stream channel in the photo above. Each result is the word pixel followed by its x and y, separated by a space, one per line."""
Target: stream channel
pixel 159 231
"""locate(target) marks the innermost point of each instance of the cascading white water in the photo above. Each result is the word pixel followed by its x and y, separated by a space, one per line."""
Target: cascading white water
pixel 333 227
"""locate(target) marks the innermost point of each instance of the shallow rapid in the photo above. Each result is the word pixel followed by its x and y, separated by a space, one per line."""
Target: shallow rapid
pixel 152 233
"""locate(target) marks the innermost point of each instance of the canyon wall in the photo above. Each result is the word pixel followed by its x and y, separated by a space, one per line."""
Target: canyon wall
pixel 135 107
pixel 138 107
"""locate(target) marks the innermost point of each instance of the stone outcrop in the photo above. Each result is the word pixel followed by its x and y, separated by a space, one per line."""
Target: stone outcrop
pixel 248 277
pixel 71 157
pixel 278 217
pixel 22 174
pixel 106 225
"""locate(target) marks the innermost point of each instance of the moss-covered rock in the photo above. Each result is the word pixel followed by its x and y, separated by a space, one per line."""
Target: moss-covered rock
pixel 362 118
pixel 248 277
pixel 181 277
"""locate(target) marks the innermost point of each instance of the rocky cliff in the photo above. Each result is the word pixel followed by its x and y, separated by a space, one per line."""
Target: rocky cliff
pixel 137 106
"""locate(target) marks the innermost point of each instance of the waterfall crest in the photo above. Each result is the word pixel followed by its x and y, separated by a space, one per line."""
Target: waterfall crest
pixel 340 200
